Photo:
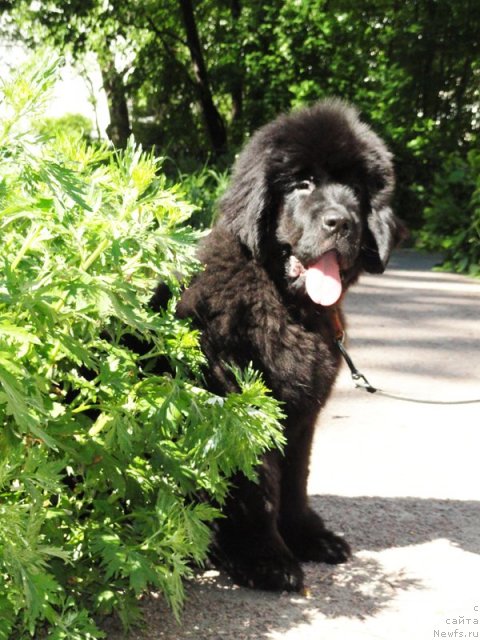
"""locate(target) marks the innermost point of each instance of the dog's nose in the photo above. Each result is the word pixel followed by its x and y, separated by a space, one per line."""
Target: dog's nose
pixel 337 222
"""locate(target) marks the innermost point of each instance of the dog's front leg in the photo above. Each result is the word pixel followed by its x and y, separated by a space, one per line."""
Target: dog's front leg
pixel 300 526
pixel 247 542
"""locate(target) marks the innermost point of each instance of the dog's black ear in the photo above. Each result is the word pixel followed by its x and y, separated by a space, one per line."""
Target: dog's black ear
pixel 246 205
pixel 385 231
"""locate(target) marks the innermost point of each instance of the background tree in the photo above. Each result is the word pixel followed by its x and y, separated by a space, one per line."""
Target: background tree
pixel 213 121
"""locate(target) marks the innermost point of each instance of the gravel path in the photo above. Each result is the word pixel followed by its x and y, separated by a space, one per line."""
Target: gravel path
pixel 399 479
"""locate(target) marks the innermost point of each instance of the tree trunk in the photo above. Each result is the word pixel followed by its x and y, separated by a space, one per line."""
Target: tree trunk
pixel 213 121
pixel 119 128
pixel 430 83
pixel 237 81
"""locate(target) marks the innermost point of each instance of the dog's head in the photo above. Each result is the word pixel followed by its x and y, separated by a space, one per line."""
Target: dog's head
pixel 310 197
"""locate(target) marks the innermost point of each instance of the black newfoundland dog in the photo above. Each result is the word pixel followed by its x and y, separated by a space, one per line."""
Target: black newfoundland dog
pixel 306 212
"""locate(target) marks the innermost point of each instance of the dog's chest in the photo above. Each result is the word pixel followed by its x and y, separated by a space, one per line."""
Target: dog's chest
pixel 245 320
pixel 299 359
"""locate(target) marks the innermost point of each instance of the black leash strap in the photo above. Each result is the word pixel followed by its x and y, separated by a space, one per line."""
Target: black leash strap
pixel 359 379
pixel 362 383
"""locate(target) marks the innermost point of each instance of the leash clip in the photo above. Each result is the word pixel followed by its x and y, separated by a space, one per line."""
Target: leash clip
pixel 362 383
pixel 340 334
pixel 358 377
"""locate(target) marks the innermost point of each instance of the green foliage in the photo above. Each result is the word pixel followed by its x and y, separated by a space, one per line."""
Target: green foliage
pixel 203 188
pixel 101 454
pixel 452 221
pixel 71 125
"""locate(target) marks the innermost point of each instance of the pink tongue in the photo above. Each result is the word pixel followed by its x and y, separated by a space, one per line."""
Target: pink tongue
pixel 323 280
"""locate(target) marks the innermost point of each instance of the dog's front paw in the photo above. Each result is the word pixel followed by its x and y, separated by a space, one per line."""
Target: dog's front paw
pixel 309 540
pixel 271 573
pixel 326 547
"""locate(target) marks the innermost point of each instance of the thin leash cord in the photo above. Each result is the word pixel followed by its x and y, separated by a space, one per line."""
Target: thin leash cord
pixel 362 383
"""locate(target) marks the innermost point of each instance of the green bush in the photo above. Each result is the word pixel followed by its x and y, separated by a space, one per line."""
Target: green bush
pixel 100 455
pixel 452 221
pixel 203 187
pixel 70 125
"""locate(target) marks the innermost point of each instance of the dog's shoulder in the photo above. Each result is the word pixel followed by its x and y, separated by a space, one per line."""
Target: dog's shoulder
pixel 229 277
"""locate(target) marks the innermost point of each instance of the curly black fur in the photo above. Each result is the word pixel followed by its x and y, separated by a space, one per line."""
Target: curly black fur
pixel 314 181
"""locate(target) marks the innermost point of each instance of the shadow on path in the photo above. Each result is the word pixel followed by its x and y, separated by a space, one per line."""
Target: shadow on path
pixel 362 588
pixel 375 523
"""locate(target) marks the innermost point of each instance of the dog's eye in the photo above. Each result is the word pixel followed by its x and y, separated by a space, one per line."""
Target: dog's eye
pixel 306 184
